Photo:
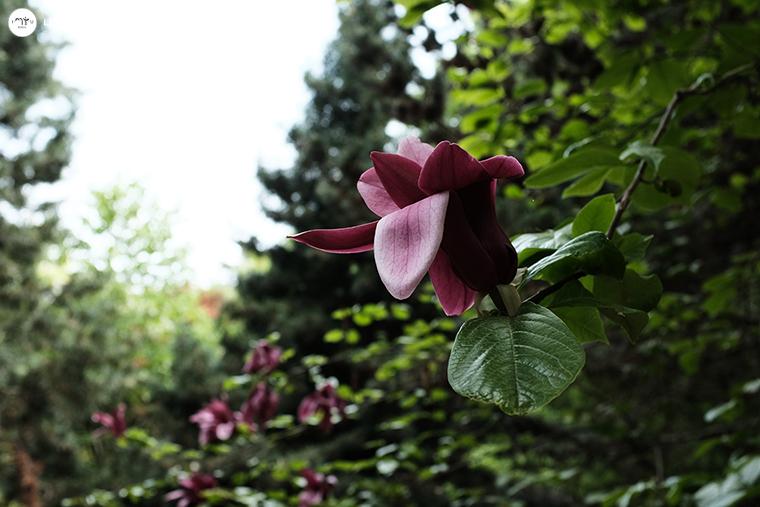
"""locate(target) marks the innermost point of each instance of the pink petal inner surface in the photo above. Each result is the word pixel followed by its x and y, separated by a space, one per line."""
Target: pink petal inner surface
pixel 414 149
pixel 374 194
pixel 406 243
pixel 358 238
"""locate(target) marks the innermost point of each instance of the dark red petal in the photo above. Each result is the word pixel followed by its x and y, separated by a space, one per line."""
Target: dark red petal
pixel 399 176
pixel 358 238
pixel 503 166
pixel 480 209
pixel 449 167
pixel 453 294
pixel 470 260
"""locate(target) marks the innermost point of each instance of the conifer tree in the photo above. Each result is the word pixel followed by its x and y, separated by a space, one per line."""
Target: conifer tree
pixel 368 80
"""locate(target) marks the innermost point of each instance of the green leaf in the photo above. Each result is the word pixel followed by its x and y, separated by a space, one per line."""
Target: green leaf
pixel 572 294
pixel 477 96
pixel 590 253
pixel 528 88
pixel 589 184
pixel 577 164
pixel 680 167
pixel 611 301
pixel 529 244
pixel 633 246
pixel 640 292
pixel 585 323
pixel 621 71
pixel 596 215
pixel 664 77
pixel 632 321
pixel 645 151
pixel 519 363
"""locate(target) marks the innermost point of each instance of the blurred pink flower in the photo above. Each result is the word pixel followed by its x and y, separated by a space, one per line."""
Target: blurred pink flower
pixel 260 407
pixel 325 402
pixel 191 490
pixel 264 359
pixel 115 422
pixel 438 216
pixel 318 486
pixel 216 422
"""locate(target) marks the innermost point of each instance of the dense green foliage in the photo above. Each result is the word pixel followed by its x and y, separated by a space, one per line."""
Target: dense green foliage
pixel 635 225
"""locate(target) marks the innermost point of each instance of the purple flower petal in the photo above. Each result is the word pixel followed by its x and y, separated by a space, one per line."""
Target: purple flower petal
pixel 449 167
pixel 455 297
pixel 480 208
pixel 225 430
pixel 407 242
pixel 374 194
pixel 414 149
pixel 470 260
pixel 503 166
pixel 399 177
pixel 358 238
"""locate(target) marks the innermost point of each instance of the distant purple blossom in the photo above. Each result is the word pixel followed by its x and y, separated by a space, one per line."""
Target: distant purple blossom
pixel 260 407
pixel 325 402
pixel 264 358
pixel 318 486
pixel 216 422
pixel 191 490
pixel 115 422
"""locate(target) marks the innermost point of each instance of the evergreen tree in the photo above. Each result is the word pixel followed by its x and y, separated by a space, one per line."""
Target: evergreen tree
pixel 368 80
pixel 34 150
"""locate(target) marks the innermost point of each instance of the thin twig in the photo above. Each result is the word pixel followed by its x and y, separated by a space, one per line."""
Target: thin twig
pixel 695 89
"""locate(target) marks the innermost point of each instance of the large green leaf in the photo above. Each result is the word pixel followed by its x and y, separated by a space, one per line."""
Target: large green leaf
pixel 529 244
pixel 585 323
pixel 590 253
pixel 588 184
pixel 633 245
pixel 624 302
pixel 631 320
pixel 641 292
pixel 682 172
pixel 596 215
pixel 650 153
pixel 578 163
pixel 519 363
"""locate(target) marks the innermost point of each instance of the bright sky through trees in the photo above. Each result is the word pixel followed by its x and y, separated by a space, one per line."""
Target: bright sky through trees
pixel 186 98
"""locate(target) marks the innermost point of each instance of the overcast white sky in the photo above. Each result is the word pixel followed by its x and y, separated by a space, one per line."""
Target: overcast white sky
pixel 186 98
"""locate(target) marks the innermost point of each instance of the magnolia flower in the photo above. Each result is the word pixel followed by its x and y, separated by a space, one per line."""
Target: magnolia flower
pixel 115 422
pixel 438 216
pixel 260 407
pixel 191 490
pixel 216 422
pixel 318 486
pixel 264 359
pixel 324 402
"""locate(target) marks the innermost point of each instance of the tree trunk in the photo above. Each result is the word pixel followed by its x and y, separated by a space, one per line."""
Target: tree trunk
pixel 29 477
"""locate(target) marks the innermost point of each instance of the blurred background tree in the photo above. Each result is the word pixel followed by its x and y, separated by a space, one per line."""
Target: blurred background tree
pixel 82 326
pixel 368 81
